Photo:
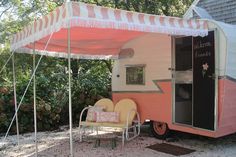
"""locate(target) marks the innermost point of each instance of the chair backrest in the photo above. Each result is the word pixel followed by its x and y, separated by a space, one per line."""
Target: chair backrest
pixel 106 103
pixel 123 107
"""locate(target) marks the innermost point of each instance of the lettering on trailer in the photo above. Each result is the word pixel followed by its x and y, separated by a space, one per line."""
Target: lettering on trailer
pixel 201 49
pixel 199 54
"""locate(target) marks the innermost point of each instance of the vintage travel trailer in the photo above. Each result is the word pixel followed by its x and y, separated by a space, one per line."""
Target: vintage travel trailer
pixel 181 83
pixel 180 72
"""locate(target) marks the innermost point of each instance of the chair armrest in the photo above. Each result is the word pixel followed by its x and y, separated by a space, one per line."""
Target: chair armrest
pixel 128 116
pixel 82 112
pixel 138 124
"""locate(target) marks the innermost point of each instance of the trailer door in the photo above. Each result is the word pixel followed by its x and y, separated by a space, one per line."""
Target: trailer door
pixel 204 82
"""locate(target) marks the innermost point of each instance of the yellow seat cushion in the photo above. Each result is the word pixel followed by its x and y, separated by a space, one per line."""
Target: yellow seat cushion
pixel 86 123
pixel 117 125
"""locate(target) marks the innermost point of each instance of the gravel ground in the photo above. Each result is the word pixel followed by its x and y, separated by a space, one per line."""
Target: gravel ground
pixel 56 143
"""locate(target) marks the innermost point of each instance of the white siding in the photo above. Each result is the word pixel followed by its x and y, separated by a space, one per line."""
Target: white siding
pixel 153 50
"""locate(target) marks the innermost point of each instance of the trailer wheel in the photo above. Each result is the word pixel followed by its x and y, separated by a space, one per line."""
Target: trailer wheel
pixel 159 129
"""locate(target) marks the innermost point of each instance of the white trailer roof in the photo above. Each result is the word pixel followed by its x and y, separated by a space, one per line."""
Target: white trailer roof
pixel 230 35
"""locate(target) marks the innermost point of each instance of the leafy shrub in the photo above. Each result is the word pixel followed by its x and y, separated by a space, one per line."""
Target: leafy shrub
pixel 90 82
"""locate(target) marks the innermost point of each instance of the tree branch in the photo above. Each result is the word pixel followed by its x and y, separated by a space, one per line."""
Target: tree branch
pixel 4 11
pixel 136 6
pixel 3 3
pixel 127 2
pixel 108 64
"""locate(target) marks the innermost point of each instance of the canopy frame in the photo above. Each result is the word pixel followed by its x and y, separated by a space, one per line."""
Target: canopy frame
pixel 90 16
pixel 80 15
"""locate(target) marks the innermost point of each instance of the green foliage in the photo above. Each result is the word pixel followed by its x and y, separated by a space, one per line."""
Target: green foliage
pixel 158 7
pixel 91 80
pixel 91 83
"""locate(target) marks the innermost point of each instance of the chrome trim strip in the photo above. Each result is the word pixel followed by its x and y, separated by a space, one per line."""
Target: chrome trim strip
pixel 159 92
pixel 150 91
pixel 230 78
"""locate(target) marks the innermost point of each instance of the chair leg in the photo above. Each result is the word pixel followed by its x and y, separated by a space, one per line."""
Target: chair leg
pixel 113 143
pixel 80 133
pixel 127 133
pixel 97 143
pixel 97 130
pixel 135 130
pixel 123 138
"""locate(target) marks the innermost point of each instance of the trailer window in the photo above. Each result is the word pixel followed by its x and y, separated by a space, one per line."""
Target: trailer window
pixel 135 74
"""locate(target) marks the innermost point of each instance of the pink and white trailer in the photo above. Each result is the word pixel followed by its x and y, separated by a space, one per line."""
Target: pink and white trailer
pixel 182 83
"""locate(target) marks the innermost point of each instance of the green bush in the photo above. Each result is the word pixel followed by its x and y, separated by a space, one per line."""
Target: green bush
pixel 90 82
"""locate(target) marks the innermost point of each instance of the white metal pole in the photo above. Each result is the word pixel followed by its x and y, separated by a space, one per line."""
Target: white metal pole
pixel 15 98
pixel 70 102
pixel 26 89
pixel 22 98
pixel 6 62
pixel 35 107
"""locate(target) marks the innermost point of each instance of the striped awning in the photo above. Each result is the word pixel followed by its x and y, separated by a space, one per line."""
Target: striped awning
pixel 98 30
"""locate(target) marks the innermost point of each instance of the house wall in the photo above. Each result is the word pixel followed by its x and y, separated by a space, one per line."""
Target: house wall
pixel 220 10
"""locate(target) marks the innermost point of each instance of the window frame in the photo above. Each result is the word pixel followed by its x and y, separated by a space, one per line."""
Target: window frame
pixel 143 66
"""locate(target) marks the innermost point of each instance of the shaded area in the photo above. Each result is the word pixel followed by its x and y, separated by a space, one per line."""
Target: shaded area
pixel 56 143
pixel 171 149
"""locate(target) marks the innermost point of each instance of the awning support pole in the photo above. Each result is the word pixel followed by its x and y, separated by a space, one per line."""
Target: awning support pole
pixel 35 107
pixel 26 89
pixel 70 102
pixel 22 98
pixel 15 97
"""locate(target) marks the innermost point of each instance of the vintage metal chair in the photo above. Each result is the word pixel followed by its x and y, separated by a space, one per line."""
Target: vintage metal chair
pixel 129 119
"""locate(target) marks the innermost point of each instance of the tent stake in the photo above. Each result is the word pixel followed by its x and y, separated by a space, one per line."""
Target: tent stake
pixel 15 97
pixel 35 107
pixel 70 103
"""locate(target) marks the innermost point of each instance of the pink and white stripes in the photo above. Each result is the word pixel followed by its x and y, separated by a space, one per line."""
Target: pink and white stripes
pixel 108 14
pixel 94 16
pixel 76 14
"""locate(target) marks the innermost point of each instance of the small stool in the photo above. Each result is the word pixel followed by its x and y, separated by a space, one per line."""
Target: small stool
pixel 111 138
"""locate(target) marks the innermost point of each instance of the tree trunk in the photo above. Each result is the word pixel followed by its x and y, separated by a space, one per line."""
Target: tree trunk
pixel 74 68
